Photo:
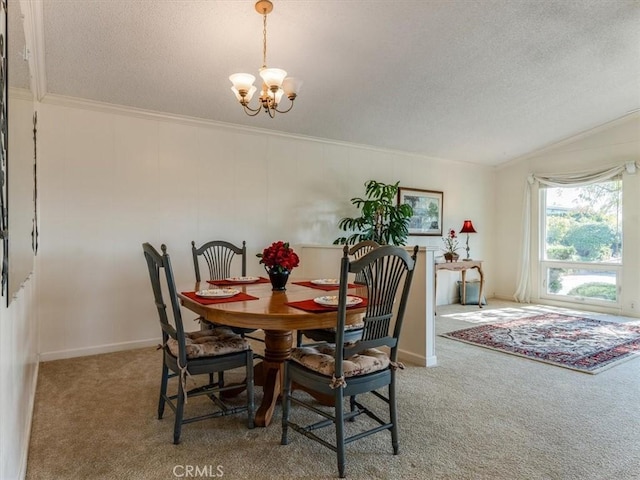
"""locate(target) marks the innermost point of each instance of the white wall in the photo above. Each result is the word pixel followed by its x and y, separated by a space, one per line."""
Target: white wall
pixel 20 187
pixel 112 179
pixel 18 325
pixel 610 145
pixel 18 375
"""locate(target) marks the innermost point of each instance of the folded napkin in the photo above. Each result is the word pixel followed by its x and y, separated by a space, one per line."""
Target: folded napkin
pixel 224 283
pixel 326 288
pixel 240 297
pixel 311 306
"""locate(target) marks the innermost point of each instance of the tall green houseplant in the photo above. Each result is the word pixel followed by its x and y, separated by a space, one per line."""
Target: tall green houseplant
pixel 381 218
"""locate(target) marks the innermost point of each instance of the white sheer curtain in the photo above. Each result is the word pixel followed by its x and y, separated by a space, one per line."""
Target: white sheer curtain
pixel 523 292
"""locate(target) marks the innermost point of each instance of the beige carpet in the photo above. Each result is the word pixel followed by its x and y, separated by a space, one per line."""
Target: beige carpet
pixel 479 414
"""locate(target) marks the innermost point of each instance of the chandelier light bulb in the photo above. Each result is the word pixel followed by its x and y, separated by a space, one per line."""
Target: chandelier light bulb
pixel 273 77
pixel 242 81
pixel 278 95
pixel 248 95
pixel 291 86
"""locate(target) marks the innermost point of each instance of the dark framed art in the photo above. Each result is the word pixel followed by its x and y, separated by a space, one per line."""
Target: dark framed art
pixel 4 140
pixel 427 210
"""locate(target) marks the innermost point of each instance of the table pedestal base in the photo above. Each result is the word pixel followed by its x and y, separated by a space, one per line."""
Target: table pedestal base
pixel 268 374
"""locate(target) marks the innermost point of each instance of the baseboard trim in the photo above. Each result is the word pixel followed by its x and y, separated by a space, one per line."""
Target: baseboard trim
pixel 420 360
pixel 109 348
pixel 27 433
pixel 432 361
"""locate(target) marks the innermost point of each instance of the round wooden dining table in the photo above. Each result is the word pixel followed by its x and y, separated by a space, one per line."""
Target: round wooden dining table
pixel 278 320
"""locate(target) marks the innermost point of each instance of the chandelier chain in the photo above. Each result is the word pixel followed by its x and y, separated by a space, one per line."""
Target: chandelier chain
pixel 264 40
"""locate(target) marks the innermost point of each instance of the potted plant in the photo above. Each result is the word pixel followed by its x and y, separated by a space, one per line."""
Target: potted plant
pixel 381 218
pixel 451 246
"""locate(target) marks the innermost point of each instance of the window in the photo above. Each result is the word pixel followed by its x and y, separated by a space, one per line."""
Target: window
pixel 581 257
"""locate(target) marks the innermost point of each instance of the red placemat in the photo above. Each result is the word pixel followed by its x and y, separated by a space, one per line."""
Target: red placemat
pixel 223 283
pixel 240 297
pixel 326 288
pixel 311 306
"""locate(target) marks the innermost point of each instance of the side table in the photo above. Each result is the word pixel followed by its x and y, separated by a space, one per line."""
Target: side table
pixel 462 267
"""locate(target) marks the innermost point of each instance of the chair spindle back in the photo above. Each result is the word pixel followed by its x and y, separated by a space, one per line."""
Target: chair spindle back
pixel 386 271
pixel 218 256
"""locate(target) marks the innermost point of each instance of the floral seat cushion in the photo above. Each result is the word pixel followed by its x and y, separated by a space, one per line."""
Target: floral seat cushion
pixel 320 358
pixel 352 333
pixel 355 326
pixel 210 342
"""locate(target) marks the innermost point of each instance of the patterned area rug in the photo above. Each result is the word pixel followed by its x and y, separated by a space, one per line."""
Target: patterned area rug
pixel 578 343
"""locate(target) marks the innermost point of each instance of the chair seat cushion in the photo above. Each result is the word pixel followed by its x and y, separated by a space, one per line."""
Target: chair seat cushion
pixel 207 325
pixel 329 335
pixel 210 342
pixel 355 326
pixel 320 358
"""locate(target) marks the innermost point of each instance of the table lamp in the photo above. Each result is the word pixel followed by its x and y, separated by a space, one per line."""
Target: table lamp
pixel 467 227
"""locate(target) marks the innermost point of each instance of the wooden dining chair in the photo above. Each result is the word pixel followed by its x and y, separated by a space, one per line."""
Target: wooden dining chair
pixel 349 369
pixel 352 332
pixel 358 250
pixel 219 258
pixel 219 255
pixel 187 354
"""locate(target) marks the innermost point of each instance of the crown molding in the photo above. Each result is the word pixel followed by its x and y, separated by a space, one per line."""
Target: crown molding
pixel 33 15
pixel 93 105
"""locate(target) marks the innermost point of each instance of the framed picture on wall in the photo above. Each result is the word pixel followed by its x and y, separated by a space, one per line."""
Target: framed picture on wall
pixel 427 210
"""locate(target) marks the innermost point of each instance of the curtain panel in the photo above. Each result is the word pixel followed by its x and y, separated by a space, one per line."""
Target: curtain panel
pixel 523 292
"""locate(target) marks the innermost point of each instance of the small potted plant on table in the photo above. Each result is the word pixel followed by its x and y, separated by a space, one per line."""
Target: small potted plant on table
pixel 451 245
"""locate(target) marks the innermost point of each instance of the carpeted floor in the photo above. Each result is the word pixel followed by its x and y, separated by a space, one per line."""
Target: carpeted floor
pixel 480 414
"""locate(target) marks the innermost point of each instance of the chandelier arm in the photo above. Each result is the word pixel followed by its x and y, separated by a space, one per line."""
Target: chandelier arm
pixel 247 109
pixel 271 111
pixel 285 111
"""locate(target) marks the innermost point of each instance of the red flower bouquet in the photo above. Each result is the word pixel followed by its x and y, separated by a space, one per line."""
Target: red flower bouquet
pixel 279 257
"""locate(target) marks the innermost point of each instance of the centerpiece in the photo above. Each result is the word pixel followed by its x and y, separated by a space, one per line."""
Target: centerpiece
pixel 278 260
pixel 451 245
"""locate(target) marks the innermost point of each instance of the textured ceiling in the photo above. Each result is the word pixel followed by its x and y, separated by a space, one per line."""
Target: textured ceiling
pixel 18 68
pixel 478 81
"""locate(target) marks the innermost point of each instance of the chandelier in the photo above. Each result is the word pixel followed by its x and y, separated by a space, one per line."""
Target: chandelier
pixel 275 82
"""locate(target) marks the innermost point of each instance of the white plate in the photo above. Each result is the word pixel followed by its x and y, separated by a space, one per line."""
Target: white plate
pixel 326 281
pixel 218 293
pixel 242 279
pixel 332 300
